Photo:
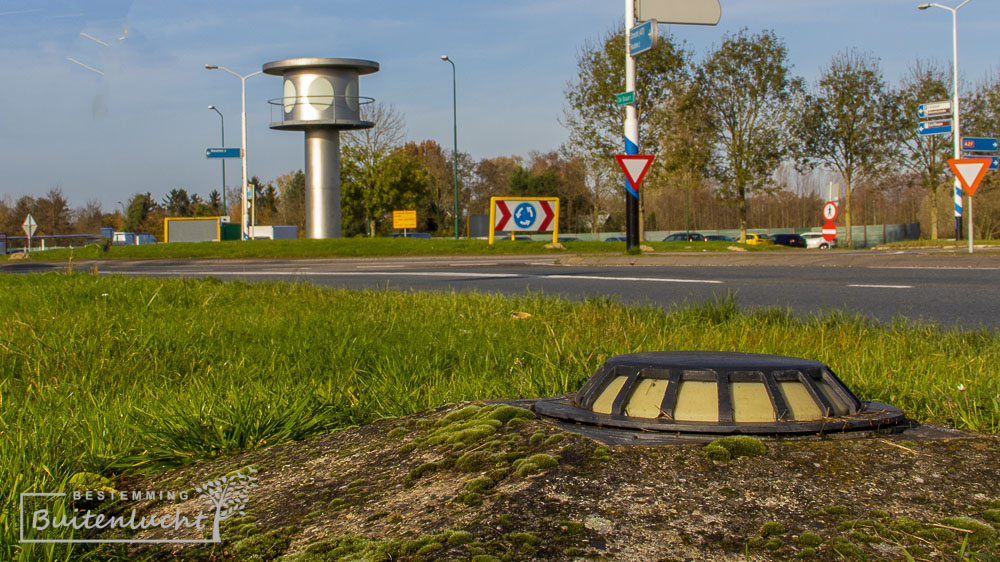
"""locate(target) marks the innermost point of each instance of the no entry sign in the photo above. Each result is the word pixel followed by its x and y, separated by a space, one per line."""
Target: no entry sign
pixel 829 231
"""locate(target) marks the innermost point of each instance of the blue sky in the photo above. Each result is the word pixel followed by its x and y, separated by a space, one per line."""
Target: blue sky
pixel 144 124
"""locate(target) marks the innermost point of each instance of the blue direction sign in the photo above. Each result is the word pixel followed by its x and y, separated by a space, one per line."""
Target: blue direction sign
pixel 642 38
pixel 222 153
pixel 994 165
pixel 979 144
pixel 936 109
pixel 934 127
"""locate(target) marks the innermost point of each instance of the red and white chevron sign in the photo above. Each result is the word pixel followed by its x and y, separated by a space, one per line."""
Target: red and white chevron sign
pixel 523 215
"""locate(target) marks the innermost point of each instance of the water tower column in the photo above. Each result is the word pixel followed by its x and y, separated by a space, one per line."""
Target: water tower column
pixel 322 183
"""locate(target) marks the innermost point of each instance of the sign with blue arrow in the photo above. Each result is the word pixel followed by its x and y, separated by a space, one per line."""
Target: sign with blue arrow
pixel 936 109
pixel 222 153
pixel 934 127
pixel 994 165
pixel 642 38
pixel 979 144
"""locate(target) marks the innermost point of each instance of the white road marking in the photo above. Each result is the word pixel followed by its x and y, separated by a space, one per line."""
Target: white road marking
pixel 465 263
pixel 451 274
pixel 883 286
pixel 380 266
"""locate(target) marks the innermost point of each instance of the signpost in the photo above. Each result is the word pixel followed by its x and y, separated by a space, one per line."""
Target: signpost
pixel 29 226
pixel 969 172
pixel 223 153
pixel 979 144
pixel 625 98
pixel 524 214
pixel 642 38
pixel 934 127
pixel 935 109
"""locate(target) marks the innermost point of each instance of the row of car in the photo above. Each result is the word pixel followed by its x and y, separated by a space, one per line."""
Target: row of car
pixel 806 240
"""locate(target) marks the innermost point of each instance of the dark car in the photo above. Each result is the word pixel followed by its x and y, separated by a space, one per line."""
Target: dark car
pixel 719 238
pixel 616 239
pixel 410 235
pixel 793 240
pixel 685 236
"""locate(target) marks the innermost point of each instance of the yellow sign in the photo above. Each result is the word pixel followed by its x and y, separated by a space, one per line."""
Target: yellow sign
pixel 404 219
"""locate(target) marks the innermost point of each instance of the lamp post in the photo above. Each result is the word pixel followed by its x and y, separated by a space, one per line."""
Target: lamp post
pixel 245 219
pixel 223 126
pixel 454 110
pixel 956 132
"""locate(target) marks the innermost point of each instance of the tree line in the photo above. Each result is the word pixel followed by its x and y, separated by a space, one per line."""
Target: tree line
pixel 740 143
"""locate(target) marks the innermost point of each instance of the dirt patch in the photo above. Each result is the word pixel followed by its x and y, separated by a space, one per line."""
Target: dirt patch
pixel 486 482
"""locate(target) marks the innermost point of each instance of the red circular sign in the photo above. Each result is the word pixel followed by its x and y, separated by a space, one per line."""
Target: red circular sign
pixel 829 231
pixel 830 211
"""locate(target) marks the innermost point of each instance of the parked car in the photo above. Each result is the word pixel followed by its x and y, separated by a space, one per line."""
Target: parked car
pixel 816 240
pixel 615 239
pixel 410 235
pixel 758 239
pixel 685 236
pixel 719 238
pixel 568 239
pixel 793 240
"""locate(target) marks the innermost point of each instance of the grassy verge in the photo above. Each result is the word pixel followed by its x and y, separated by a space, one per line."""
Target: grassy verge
pixel 108 375
pixel 361 247
pixel 940 243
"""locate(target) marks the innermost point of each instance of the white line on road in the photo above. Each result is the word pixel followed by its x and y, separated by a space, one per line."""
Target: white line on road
pixel 451 274
pixel 883 286
pixel 380 266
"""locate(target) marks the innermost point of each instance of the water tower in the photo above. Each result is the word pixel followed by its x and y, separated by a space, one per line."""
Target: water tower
pixel 320 97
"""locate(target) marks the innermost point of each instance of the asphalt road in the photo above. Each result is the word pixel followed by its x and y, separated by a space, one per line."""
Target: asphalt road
pixel 948 289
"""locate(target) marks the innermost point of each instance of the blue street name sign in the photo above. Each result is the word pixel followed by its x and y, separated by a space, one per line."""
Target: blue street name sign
pixel 979 144
pixel 642 38
pixel 222 153
pixel 994 165
pixel 934 127
pixel 936 109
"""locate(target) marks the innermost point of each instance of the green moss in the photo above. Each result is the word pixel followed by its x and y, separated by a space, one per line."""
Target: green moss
pixel 849 550
pixel 906 525
pixel 574 552
pixel 485 558
pixel 774 543
pixel 861 536
pixel 537 438
pixel 741 446
pixel 480 485
pixel 936 534
pixel 716 453
pixel 992 515
pixel 772 528
pixel 474 461
pixel 499 474
pixel 398 432
pixel 429 548
pixel 809 539
pixel 554 440
pixel 458 538
pixel 267 546
pixel 806 553
pixel 516 422
pixel 543 461
pixel 505 414
pixel 571 527
pixel 527 469
pixel 524 541
pixel 915 551
pixel 470 499
pixel 336 504
pixel 879 514
pixel 421 470
pixel 979 532
pixel 836 510
pixel 459 415
pixel 300 495
pixel 505 520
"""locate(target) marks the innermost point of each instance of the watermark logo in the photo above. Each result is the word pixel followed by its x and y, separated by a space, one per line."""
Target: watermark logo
pixel 52 513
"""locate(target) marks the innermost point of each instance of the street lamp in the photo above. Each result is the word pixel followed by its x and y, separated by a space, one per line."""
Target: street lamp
pixel 956 133
pixel 245 219
pixel 454 110
pixel 223 119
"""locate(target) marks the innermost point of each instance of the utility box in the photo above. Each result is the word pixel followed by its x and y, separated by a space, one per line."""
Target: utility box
pixel 3 244
pixel 283 232
pixel 192 229
pixel 231 231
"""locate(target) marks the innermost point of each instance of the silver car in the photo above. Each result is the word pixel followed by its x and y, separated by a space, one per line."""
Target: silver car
pixel 816 240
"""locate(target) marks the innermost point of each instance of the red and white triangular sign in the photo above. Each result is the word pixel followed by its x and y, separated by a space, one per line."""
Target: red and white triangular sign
pixel 969 171
pixel 635 167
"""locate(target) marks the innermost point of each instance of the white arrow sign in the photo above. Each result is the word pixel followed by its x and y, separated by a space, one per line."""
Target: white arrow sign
pixel 29 225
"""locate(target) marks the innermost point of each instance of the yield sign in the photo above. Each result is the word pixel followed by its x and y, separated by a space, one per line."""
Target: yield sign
pixel 969 171
pixel 635 167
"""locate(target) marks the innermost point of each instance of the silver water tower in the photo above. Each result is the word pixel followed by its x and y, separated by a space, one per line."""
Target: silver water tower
pixel 320 97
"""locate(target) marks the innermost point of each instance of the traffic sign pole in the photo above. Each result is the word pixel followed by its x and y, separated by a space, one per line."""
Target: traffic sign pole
pixel 631 134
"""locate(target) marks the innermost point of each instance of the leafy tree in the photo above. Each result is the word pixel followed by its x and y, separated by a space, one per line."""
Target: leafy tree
pixel 593 117
pixel 398 181
pixel 215 202
pixel 440 189
pixel 925 155
pixel 52 213
pixel 847 124
pixel 89 219
pixel 745 86
pixel 141 214
pixel 292 199
pixel 177 203
pixel 492 178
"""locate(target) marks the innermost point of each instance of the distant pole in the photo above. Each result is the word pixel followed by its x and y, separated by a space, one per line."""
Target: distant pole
pixel 223 119
pixel 454 113
pixel 956 132
pixel 631 135
pixel 248 195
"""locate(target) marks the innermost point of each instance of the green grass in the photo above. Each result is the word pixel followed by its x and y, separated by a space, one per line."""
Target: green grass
pixel 108 375
pixel 360 247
